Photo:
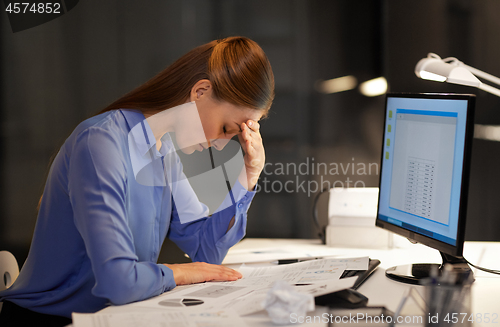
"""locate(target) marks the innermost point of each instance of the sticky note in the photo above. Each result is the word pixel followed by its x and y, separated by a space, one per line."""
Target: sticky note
pixel 389 128
pixel 390 113
pixel 388 142
pixel 387 155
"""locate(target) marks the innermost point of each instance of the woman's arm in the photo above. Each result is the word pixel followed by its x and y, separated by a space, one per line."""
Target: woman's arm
pixel 97 190
pixel 209 239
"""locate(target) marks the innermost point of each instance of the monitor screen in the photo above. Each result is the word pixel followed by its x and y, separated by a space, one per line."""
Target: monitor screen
pixel 425 168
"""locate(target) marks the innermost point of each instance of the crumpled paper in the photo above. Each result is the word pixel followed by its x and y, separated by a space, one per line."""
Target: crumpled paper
pixel 282 300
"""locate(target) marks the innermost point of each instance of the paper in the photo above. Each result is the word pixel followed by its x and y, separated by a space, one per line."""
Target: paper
pixel 245 296
pixel 301 272
pixel 223 318
pixel 355 263
pixel 203 296
pixel 308 277
pixel 269 254
pixel 252 302
pixel 283 299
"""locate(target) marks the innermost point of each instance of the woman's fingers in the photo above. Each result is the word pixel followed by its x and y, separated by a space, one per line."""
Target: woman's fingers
pixel 198 272
pixel 253 125
pixel 244 137
pixel 251 134
pixel 251 142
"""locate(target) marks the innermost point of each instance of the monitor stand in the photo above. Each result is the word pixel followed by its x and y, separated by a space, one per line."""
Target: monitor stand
pixel 415 273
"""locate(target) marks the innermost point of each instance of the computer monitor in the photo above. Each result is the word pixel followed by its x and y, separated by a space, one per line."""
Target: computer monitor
pixel 424 175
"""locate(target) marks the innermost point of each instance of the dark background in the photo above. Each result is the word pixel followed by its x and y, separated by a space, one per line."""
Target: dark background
pixel 55 75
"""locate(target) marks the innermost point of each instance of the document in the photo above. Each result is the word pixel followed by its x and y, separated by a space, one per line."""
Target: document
pixel 245 295
pixel 423 167
pixel 222 303
pixel 269 254
pixel 226 318
pixel 316 277
pixel 253 302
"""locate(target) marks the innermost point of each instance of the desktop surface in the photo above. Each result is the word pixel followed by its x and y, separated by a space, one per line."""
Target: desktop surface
pixel 384 292
pixel 380 291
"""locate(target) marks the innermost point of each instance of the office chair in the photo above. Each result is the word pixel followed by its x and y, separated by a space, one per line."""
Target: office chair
pixel 9 270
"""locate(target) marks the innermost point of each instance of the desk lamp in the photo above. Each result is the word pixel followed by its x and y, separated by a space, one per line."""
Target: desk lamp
pixel 454 71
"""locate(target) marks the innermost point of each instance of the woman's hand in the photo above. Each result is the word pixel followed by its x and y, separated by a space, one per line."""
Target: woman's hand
pixel 255 157
pixel 199 272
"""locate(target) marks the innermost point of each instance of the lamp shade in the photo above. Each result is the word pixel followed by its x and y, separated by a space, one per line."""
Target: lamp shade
pixel 435 69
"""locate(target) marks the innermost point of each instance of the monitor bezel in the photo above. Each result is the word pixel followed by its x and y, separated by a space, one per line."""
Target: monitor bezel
pixel 455 250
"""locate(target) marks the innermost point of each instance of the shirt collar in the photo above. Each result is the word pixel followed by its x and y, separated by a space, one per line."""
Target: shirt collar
pixel 143 135
pixel 139 129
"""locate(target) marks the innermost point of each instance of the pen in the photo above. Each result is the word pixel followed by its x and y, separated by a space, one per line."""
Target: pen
pixel 433 283
pixel 447 290
pixel 287 261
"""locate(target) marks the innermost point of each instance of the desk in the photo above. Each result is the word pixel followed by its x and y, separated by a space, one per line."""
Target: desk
pixel 382 291
pixel 385 292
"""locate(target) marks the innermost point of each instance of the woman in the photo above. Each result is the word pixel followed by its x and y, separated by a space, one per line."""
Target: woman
pixel 99 230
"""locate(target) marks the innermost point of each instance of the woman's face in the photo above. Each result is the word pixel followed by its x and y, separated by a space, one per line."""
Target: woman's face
pixel 220 120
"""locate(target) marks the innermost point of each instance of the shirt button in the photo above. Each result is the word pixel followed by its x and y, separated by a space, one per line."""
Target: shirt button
pixel 240 205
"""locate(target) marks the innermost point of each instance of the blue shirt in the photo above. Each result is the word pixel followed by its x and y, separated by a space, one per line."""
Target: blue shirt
pixel 99 231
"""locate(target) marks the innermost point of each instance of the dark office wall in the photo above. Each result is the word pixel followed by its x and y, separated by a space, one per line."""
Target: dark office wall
pixel 57 74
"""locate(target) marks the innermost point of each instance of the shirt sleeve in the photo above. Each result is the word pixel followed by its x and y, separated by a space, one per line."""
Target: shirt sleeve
pixel 97 183
pixel 208 239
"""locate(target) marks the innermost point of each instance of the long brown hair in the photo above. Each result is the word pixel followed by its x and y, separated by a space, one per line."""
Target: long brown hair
pixel 236 66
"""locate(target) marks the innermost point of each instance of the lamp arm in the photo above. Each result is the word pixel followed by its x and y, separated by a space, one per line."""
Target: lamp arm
pixel 490 89
pixel 480 73
pixel 486 76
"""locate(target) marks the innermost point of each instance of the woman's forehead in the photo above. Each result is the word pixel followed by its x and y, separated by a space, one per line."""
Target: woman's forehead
pixel 248 114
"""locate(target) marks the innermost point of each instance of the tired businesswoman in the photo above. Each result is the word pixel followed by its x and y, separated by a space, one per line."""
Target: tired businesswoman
pixel 99 231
